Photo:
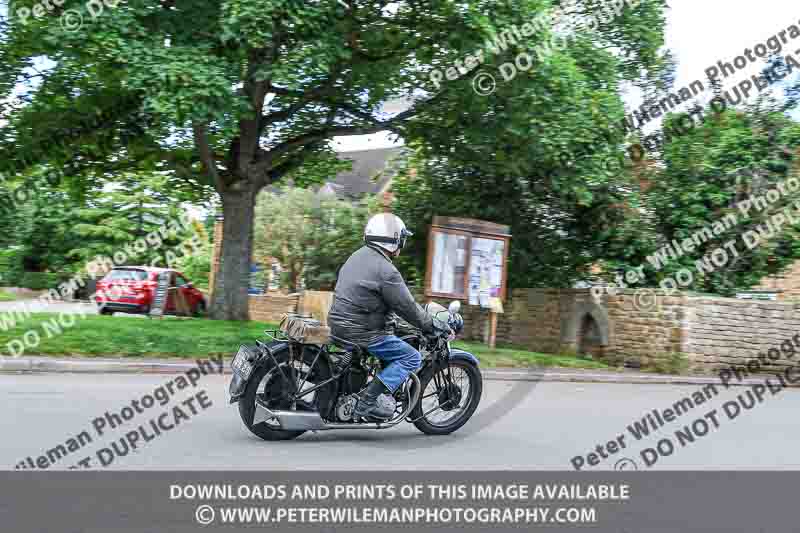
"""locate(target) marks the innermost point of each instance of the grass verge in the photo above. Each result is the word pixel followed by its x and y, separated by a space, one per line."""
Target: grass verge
pixel 130 336
pixel 6 296
pixel 520 358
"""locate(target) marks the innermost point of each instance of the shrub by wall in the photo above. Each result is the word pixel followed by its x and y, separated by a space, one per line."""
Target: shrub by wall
pixel 40 281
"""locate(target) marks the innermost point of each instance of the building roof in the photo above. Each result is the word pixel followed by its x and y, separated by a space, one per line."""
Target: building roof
pixel 372 172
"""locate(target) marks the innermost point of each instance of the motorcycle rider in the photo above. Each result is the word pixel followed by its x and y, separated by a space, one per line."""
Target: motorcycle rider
pixel 369 288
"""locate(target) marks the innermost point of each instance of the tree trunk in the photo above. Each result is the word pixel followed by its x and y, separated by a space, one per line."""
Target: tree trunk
pixel 231 300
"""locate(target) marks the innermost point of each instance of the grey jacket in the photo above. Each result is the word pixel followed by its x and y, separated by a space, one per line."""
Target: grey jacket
pixel 368 289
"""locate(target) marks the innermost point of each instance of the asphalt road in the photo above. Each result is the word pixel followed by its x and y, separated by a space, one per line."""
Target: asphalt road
pixel 544 426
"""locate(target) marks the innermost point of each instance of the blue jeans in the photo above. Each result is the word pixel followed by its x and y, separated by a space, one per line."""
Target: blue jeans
pixel 401 356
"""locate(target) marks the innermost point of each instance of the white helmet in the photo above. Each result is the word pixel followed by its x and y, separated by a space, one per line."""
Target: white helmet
pixel 387 231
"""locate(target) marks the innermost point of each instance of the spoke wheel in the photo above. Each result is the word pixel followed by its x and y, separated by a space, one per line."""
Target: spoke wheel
pixel 268 388
pixel 449 398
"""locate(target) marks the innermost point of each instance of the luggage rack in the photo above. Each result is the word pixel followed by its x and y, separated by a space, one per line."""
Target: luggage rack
pixel 339 346
pixel 278 335
pixel 343 357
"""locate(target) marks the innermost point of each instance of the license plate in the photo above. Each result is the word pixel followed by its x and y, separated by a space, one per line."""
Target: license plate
pixel 240 363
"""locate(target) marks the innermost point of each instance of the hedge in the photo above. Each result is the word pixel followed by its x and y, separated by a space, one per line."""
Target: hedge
pixel 10 268
pixel 40 281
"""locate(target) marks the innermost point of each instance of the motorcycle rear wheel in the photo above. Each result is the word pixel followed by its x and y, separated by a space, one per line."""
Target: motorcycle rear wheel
pixel 449 396
pixel 262 386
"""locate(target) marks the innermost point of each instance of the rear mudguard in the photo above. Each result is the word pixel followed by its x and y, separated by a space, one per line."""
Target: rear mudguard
pixel 279 351
pixel 238 384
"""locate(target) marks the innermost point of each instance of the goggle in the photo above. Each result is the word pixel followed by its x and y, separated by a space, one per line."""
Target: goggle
pixel 399 240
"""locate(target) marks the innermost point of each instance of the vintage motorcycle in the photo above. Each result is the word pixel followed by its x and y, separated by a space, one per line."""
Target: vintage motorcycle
pixel 305 379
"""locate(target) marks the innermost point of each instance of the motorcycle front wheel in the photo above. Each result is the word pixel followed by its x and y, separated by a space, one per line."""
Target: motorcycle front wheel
pixel 449 398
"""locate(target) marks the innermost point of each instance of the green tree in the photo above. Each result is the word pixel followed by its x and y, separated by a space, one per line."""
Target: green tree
pixel 132 209
pixel 548 158
pixel 197 265
pixel 238 94
pixel 731 158
pixel 37 225
pixel 308 233
pixel 53 230
pixel 556 235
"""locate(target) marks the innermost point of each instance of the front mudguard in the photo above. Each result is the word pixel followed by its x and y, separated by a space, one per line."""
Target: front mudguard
pixel 434 365
pixel 464 356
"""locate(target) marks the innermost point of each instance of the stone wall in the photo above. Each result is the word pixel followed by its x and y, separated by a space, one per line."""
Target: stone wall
pixel 531 319
pixel 644 327
pixel 787 282
pixel 650 328
pixel 726 331
pixel 647 328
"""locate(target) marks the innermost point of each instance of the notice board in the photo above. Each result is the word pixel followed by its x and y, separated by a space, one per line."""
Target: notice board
pixel 467 260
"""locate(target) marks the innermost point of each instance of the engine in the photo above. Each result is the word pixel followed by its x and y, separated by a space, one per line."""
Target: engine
pixel 345 407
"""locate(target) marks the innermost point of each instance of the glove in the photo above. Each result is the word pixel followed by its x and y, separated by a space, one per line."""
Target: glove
pixel 442 328
pixel 456 323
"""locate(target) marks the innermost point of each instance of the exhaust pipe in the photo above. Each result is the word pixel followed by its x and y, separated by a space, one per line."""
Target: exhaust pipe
pixel 311 421
pixel 289 420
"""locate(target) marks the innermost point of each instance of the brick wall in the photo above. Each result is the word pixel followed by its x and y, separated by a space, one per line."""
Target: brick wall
pixel 271 307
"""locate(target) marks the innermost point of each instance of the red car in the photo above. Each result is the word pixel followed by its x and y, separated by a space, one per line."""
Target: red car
pixel 131 289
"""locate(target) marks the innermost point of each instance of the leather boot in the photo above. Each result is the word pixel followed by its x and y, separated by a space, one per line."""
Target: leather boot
pixel 368 405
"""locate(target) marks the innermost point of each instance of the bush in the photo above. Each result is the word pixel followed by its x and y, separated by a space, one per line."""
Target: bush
pixel 10 267
pixel 40 281
pixel 197 266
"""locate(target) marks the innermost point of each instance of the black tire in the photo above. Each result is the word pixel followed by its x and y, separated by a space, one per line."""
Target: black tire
pixel 473 373
pixel 247 405
pixel 199 309
pixel 105 311
pixel 247 408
